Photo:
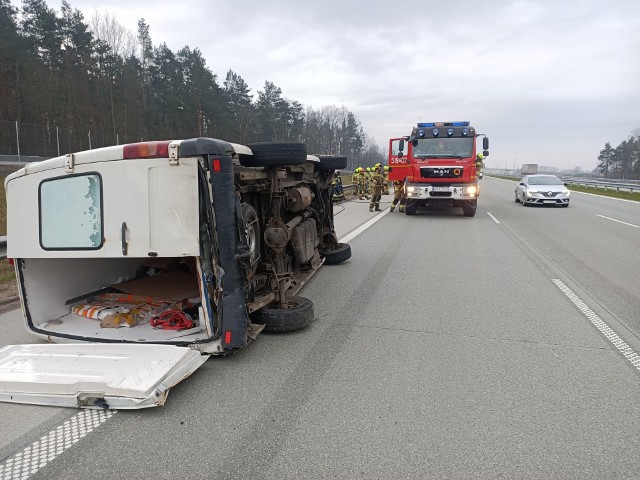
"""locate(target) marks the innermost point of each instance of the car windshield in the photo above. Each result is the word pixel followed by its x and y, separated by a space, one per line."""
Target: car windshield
pixel 551 180
pixel 443 147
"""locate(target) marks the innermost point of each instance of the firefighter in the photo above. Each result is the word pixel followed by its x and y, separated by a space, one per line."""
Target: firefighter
pixel 356 174
pixel 367 182
pixel 479 162
pixel 377 182
pixel 362 182
pixel 398 195
pixel 385 188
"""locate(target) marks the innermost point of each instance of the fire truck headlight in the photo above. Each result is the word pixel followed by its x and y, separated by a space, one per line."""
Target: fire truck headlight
pixel 411 189
pixel 472 190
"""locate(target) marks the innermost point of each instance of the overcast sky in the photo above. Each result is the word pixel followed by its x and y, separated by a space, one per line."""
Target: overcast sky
pixel 549 81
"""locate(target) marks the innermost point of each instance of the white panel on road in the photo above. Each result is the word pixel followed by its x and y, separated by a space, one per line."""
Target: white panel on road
pixel 94 375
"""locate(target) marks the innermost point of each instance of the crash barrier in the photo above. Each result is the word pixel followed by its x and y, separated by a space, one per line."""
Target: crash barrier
pixel 606 184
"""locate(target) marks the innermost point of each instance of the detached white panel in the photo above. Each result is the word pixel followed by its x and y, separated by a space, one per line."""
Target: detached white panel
pixel 117 376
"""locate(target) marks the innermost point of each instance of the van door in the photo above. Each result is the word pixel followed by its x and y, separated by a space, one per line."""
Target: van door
pixel 114 376
pixel 142 207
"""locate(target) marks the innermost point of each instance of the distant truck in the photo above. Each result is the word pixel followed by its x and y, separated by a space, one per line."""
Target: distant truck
pixel 439 165
pixel 529 168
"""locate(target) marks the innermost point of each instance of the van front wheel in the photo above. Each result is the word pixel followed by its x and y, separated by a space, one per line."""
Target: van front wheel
pixel 298 315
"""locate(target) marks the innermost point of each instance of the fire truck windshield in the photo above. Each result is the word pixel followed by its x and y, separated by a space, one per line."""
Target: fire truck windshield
pixel 443 147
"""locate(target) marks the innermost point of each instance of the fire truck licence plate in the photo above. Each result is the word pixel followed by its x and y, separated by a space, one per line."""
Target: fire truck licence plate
pixel 440 189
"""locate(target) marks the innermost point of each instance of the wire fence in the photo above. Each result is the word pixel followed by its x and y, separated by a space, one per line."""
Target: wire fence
pixel 18 138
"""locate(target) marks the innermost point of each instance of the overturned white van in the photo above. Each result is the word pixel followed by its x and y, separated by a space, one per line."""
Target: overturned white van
pixel 139 261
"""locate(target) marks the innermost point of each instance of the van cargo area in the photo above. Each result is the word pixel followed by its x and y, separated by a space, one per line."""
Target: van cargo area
pixel 155 300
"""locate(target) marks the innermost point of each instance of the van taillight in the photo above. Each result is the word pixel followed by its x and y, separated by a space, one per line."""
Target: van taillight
pixel 10 260
pixel 146 150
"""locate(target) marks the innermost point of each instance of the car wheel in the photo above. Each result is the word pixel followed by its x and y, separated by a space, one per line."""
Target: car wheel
pixel 297 316
pixel 524 201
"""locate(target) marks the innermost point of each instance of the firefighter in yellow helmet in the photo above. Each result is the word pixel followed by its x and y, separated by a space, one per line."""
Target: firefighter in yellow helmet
pixel 367 176
pixel 362 184
pixel 385 173
pixel 398 195
pixel 377 182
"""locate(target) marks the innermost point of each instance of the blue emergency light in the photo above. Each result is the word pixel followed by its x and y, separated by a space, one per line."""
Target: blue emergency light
pixel 443 124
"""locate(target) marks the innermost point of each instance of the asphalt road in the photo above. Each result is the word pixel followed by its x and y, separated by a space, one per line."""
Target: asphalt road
pixel 447 347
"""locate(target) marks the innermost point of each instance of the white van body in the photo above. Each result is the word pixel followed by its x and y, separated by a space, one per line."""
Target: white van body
pixel 88 223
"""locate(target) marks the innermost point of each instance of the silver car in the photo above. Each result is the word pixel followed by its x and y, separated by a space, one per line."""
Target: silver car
pixel 542 190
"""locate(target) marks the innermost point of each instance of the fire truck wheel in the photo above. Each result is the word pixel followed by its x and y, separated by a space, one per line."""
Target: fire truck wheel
pixel 252 231
pixel 274 155
pixel 339 255
pixel 469 209
pixel 297 316
pixel 410 208
pixel 332 162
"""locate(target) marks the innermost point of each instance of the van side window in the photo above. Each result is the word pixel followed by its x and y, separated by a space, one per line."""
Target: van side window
pixel 71 213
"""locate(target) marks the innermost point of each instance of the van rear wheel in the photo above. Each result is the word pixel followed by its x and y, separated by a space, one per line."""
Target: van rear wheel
pixel 299 315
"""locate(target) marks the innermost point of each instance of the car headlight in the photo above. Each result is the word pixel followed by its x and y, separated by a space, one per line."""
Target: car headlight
pixel 531 192
pixel 566 192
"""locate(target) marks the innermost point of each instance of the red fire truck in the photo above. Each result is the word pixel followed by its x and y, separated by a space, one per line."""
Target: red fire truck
pixel 437 162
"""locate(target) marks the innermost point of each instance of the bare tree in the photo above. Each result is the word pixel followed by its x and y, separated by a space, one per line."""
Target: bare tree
pixel 105 27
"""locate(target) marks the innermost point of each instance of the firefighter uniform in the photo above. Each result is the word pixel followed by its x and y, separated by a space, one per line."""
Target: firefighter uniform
pixel 377 182
pixel 385 188
pixel 398 195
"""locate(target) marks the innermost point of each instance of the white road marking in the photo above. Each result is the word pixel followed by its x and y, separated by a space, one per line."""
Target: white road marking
pixel 612 336
pixel 619 221
pixel 350 236
pixel 493 218
pixel 37 455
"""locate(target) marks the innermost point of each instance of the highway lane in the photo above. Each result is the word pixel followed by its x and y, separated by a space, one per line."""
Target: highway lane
pixel 587 241
pixel 420 364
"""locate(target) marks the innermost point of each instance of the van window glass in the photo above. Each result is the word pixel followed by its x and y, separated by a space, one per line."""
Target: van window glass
pixel 71 213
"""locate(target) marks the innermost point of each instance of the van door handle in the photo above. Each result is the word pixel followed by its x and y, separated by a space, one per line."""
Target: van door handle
pixel 124 238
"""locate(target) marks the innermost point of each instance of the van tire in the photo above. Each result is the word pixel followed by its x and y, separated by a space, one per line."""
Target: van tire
pixel 411 208
pixel 339 255
pixel 299 315
pixel 274 155
pixel 332 162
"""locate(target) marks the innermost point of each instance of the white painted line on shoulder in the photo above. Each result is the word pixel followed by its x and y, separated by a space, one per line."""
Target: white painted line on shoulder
pixel 350 236
pixel 612 336
pixel 619 221
pixel 37 455
pixel 493 218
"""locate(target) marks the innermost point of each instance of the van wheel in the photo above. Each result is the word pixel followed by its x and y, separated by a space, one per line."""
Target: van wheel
pixel 252 232
pixel 339 255
pixel 274 155
pixel 298 315
pixel 332 162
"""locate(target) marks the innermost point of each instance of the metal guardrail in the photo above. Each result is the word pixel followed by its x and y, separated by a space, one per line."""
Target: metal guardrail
pixel 625 185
